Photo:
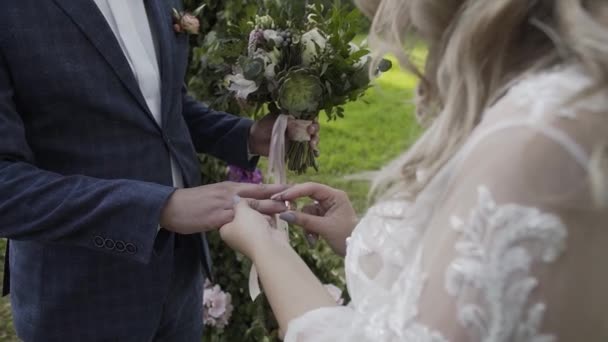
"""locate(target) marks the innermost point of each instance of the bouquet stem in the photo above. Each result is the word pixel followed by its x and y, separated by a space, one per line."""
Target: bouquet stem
pixel 300 156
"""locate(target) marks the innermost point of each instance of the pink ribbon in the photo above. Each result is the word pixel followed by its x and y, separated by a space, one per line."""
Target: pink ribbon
pixel 297 131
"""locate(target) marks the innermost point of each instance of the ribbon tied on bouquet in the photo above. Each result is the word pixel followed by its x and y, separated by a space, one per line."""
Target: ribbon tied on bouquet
pixel 296 130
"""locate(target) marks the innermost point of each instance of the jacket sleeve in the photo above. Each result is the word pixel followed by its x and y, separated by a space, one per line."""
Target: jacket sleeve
pixel 44 206
pixel 219 134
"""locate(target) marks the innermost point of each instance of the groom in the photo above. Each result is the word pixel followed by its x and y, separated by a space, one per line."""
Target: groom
pixel 96 134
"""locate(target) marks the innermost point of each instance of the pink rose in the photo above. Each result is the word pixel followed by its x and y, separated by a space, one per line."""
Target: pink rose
pixel 217 306
pixel 189 23
pixel 186 22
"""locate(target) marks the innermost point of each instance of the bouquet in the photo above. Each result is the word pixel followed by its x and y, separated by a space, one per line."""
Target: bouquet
pixel 294 66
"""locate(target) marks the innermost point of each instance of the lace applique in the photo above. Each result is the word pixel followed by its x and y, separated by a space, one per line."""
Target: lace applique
pixel 551 93
pixel 499 244
pixel 395 319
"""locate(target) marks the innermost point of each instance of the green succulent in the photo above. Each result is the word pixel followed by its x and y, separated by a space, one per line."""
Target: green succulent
pixel 253 68
pixel 300 92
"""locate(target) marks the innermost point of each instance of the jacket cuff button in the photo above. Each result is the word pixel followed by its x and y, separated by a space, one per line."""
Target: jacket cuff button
pixel 120 246
pixel 99 241
pixel 131 249
pixel 109 243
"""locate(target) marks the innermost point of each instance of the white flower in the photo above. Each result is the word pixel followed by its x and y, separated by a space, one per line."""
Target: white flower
pixel 241 86
pixel 363 60
pixel 335 293
pixel 274 36
pixel 265 21
pixel 313 43
pixel 270 58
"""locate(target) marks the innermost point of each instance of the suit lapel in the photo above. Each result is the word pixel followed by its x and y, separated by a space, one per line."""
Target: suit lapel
pixel 161 24
pixel 90 20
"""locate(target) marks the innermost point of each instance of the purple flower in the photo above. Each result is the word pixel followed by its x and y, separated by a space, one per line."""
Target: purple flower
pixel 240 175
pixel 255 37
pixel 217 306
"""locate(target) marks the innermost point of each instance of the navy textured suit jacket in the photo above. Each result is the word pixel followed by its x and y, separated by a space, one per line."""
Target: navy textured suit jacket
pixel 84 168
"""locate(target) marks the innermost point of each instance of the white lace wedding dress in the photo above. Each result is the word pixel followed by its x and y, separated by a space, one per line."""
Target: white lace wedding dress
pixel 505 244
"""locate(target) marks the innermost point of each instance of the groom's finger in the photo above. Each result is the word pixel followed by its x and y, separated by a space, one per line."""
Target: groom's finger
pixel 313 129
pixel 267 207
pixel 222 217
pixel 313 209
pixel 314 142
pixel 259 191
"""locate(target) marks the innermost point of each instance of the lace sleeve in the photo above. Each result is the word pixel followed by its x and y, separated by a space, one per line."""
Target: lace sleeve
pixel 512 252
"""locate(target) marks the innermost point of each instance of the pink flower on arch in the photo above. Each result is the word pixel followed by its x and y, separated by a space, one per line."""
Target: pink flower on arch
pixel 217 306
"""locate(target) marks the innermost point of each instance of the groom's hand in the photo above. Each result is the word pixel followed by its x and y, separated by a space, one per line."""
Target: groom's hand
pixel 261 132
pixel 209 207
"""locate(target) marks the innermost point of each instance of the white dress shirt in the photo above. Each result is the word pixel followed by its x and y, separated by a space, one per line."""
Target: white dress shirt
pixel 129 22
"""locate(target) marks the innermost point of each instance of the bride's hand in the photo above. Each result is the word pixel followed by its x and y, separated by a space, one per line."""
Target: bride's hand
pixel 332 216
pixel 249 231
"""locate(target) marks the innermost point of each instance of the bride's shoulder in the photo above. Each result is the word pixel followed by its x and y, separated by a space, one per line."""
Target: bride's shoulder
pixel 539 140
pixel 565 99
pixel 390 209
pixel 560 91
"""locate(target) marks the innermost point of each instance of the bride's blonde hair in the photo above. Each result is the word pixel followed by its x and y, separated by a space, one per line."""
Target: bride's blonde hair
pixel 475 49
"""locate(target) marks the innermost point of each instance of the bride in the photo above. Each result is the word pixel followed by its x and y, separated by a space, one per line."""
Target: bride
pixel 493 226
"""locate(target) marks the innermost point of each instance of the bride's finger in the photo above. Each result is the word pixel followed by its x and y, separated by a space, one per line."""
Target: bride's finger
pixel 313 209
pixel 267 207
pixel 316 191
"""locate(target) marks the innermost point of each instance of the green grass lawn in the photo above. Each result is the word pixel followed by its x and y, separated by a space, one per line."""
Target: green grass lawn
pixel 374 131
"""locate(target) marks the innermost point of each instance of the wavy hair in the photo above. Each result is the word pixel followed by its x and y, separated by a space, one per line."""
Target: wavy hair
pixel 476 48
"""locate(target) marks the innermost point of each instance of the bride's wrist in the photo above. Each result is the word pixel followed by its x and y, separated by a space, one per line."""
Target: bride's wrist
pixel 269 248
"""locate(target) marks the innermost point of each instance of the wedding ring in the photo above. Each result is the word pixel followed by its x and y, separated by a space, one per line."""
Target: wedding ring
pixel 289 205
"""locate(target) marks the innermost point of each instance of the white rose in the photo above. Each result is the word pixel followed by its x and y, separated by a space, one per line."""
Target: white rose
pixel 353 48
pixel 313 43
pixel 362 61
pixel 270 58
pixel 274 36
pixel 241 86
pixel 265 21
